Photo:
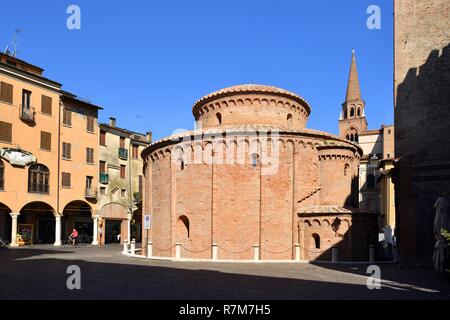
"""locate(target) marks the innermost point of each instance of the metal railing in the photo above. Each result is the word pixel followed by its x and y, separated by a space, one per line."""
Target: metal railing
pixel 123 153
pixel 104 178
pixel 90 193
pixel 27 114
pixel 38 188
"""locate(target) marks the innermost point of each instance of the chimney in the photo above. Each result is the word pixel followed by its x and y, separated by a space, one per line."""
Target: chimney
pixel 112 121
pixel 149 137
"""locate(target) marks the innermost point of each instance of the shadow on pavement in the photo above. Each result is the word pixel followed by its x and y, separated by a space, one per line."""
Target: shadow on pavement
pixel 46 279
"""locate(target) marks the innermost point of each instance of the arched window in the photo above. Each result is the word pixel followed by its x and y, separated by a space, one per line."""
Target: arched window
pixel 359 112
pixel 183 223
pixel 181 164
pixel 255 160
pixel 370 181
pixel 38 179
pixel 316 238
pixel 347 137
pixel 219 118
pixel 2 176
pixel 352 112
pixel 352 137
pixel 346 170
pixel 356 137
pixel 289 119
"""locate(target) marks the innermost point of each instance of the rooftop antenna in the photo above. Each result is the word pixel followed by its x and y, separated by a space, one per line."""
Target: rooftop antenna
pixel 14 42
pixel 7 50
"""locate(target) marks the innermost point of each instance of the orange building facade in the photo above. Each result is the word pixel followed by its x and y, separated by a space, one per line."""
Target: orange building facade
pixel 48 158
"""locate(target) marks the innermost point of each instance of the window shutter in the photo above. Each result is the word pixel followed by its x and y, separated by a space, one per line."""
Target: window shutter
pixel 102 167
pixel 46 140
pixel 89 155
pixel 69 151
pixel 6 92
pixel 46 105
pixel 90 124
pixel 5 131
pixel 102 138
pixel 65 179
pixel 64 151
pixel 67 117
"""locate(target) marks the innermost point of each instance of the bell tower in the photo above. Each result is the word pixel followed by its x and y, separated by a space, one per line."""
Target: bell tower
pixel 352 120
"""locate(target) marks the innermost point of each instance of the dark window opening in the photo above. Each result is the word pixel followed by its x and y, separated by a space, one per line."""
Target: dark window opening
pixel 219 118
pixel 316 240
pixel 185 222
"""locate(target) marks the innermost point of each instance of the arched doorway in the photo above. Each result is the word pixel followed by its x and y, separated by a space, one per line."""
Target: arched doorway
pixel 114 223
pixel 36 224
pixel 78 215
pixel 5 222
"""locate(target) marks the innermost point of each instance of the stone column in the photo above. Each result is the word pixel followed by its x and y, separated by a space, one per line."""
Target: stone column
pixel 95 231
pixel 297 252
pixel 14 217
pixel 256 252
pixel 178 250
pixel 129 216
pixel 149 249
pixel 57 230
pixel 215 251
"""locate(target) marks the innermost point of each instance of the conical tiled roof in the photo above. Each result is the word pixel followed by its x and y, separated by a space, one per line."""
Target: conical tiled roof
pixel 353 90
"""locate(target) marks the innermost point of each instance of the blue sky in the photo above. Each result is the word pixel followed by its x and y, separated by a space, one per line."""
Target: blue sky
pixel 147 62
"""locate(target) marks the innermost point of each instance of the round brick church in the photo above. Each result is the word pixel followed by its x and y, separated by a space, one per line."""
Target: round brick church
pixel 251 182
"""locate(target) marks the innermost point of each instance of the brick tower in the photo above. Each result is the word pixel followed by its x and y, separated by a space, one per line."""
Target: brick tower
pixel 352 120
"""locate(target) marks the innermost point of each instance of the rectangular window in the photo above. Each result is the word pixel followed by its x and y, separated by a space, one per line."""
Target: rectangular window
pixel 89 182
pixel 102 191
pixel 140 184
pixel 135 151
pixel 66 151
pixel 67 117
pixel 102 167
pixel 103 138
pixel 46 140
pixel 26 99
pixel 89 155
pixel 122 142
pixel 65 179
pixel 123 193
pixel 90 124
pixel 122 171
pixel 46 105
pixel 6 92
pixel 5 131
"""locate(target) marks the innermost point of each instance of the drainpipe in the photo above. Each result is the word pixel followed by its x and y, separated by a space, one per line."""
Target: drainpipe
pixel 57 215
pixel 130 191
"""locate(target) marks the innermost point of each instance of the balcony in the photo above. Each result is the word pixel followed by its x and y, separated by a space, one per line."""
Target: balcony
pixel 90 193
pixel 41 188
pixel 27 114
pixel 104 178
pixel 123 153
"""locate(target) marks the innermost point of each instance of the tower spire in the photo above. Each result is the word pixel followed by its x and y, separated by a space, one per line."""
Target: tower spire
pixel 353 90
